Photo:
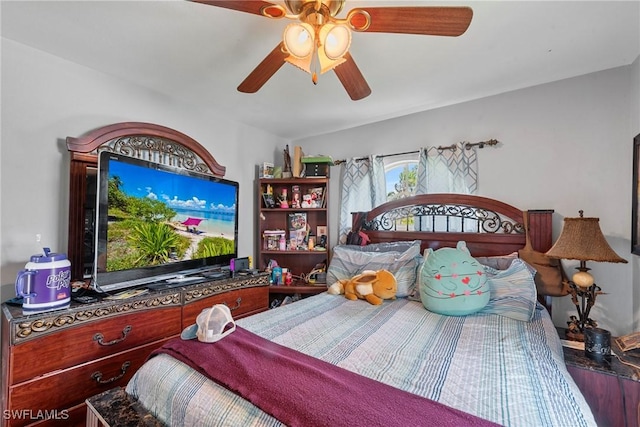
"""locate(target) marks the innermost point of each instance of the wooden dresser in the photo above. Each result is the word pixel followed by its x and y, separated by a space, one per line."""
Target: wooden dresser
pixel 52 362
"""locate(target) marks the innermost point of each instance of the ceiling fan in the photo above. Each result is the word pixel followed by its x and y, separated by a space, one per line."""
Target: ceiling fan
pixel 319 41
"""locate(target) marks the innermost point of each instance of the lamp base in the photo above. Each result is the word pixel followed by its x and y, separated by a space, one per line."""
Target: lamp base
pixel 583 299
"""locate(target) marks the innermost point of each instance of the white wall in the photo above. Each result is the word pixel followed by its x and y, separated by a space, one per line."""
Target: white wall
pixel 44 100
pixel 565 146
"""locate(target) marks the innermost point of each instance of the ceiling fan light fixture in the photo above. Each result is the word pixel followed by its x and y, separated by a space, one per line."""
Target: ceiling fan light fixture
pixel 297 6
pixel 327 64
pixel 359 20
pixel 299 40
pixel 274 11
pixel 320 41
pixel 336 40
pixel 306 64
pixel 302 63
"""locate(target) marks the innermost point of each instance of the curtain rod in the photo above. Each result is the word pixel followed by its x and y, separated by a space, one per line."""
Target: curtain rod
pixel 452 147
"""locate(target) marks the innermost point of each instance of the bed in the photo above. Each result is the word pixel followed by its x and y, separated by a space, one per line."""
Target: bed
pixel 494 365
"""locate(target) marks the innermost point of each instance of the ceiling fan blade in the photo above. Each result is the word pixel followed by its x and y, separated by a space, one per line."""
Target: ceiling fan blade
pixel 264 70
pixel 434 21
pixel 352 79
pixel 249 6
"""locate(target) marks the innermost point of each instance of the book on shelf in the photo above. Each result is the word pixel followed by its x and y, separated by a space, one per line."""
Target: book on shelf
pixel 297 161
pixel 297 230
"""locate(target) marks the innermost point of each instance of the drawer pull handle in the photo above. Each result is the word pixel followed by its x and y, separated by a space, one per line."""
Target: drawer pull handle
pixel 97 376
pixel 99 337
pixel 238 302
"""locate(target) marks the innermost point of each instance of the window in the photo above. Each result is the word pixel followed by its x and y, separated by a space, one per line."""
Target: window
pixel 401 177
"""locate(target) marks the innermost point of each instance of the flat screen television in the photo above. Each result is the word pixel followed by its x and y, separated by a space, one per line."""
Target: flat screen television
pixel 156 222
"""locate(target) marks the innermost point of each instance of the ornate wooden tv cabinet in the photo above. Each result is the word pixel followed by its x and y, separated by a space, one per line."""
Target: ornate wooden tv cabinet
pixel 52 362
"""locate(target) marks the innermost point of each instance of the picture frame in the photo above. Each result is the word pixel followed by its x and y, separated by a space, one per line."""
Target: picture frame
pixel 267 170
pixel 635 209
pixel 269 201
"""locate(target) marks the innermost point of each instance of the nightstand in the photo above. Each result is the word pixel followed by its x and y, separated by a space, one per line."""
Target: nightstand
pixel 129 412
pixel 612 390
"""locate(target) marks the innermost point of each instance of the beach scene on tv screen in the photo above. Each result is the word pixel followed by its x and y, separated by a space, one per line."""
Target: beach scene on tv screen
pixel 157 217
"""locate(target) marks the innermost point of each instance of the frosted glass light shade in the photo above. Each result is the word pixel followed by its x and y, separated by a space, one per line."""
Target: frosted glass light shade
pixel 298 40
pixel 316 55
pixel 335 39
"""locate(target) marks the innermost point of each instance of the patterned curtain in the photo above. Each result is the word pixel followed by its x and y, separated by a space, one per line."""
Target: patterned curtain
pixel 363 188
pixel 447 170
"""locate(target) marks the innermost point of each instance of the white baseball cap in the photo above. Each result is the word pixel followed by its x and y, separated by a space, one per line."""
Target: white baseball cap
pixel 212 324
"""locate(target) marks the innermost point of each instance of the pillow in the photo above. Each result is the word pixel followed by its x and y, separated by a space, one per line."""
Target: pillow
pixel 500 262
pixel 452 282
pixel 513 291
pixel 400 258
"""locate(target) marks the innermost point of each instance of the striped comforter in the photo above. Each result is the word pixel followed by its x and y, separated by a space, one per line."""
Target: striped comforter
pixel 506 371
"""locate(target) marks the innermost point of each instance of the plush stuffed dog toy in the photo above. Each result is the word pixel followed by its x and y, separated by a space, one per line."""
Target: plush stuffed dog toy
pixel 373 286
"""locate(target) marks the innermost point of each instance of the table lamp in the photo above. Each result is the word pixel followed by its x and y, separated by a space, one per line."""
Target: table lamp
pixel 581 239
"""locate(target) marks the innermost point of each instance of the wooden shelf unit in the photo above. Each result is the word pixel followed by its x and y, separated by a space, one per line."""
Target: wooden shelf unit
pixel 302 261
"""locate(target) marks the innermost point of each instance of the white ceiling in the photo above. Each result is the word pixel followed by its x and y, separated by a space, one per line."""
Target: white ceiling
pixel 199 54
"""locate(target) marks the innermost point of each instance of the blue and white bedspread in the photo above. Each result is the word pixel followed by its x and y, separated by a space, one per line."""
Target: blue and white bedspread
pixel 503 370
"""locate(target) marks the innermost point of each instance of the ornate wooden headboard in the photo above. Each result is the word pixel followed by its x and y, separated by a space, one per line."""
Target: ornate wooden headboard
pixel 146 141
pixel 489 227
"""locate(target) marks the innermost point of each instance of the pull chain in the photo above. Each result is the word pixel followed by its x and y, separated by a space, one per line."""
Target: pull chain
pixel 313 67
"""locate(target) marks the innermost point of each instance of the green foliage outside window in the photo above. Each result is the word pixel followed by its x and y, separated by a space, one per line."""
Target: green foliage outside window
pixel 405 185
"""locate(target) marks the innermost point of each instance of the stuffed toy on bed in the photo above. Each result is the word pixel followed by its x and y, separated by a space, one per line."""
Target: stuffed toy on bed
pixel 373 286
pixel 452 282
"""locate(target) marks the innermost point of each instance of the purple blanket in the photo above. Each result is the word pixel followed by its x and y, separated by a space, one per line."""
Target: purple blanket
pixel 300 390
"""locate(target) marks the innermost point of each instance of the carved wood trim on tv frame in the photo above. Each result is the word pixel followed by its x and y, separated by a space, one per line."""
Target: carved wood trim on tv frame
pixel 147 141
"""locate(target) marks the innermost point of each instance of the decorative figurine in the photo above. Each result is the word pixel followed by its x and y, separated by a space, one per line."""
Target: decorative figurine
pixel 286 170
pixel 295 201
pixel 284 204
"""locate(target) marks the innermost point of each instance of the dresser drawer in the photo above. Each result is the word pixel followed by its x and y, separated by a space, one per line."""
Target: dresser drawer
pixel 90 341
pixel 242 302
pixel 69 387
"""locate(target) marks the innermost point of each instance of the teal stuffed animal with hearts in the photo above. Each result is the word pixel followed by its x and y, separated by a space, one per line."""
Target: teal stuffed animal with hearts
pixel 452 282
